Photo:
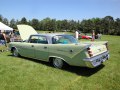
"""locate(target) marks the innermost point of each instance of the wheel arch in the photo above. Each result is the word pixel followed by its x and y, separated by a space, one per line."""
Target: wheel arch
pixel 12 48
pixel 52 57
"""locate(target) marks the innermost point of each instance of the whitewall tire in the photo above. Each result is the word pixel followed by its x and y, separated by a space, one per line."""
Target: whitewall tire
pixel 15 53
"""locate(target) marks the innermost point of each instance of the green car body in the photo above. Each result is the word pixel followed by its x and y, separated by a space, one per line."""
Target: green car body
pixel 43 47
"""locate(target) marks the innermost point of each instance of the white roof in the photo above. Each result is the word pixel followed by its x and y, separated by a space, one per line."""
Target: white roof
pixel 4 27
pixel 25 31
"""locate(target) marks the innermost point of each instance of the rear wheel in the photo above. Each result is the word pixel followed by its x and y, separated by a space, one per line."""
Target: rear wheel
pixel 15 52
pixel 58 63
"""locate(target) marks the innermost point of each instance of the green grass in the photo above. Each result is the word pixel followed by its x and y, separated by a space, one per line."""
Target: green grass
pixel 29 74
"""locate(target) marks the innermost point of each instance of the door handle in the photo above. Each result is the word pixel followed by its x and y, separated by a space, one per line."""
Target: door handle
pixel 45 47
pixel 32 45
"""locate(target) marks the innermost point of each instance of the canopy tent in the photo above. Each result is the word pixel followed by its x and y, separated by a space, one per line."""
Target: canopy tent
pixel 4 27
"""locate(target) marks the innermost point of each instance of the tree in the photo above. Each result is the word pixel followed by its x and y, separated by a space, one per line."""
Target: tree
pixel 58 25
pixel 48 24
pixel 45 23
pixel 64 24
pixel 1 18
pixel 5 21
pixel 35 24
pixel 53 26
pixel 23 21
pixel 106 25
pixel 72 25
pixel 117 26
pixel 108 22
pixel 97 25
pixel 13 23
pixel 87 26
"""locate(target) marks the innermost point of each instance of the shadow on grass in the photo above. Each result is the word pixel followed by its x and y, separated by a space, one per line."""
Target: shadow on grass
pixel 82 71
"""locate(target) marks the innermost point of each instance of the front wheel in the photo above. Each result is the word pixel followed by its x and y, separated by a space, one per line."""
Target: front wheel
pixel 15 53
pixel 58 63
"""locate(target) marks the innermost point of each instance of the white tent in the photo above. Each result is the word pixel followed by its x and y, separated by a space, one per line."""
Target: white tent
pixel 4 27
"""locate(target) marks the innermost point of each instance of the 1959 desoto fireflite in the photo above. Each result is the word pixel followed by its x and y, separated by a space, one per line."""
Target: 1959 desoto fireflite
pixel 60 49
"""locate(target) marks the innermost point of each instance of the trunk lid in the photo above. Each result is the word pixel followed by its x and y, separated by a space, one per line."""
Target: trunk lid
pixel 96 48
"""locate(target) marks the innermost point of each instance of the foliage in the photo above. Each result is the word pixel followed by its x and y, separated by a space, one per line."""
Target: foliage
pixel 5 21
pixel 23 21
pixel 34 23
pixel 106 25
pixel 1 18
pixel 13 23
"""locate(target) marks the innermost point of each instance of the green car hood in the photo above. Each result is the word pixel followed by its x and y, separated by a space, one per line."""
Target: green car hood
pixel 25 31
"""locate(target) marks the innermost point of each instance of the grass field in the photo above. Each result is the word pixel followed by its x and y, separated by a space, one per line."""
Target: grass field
pixel 29 74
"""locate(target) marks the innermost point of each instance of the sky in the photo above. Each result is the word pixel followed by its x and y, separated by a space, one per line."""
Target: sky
pixel 59 9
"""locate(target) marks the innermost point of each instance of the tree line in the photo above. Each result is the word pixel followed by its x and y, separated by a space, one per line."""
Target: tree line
pixel 107 25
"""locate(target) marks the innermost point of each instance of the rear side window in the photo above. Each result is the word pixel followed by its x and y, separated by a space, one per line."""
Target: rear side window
pixel 63 39
pixel 38 39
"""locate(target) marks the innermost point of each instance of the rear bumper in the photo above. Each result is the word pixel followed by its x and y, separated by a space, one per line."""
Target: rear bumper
pixel 97 60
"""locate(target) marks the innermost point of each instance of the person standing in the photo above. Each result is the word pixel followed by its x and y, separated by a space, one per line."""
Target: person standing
pixel 76 34
pixel 3 38
pixel 93 35
pixel 12 36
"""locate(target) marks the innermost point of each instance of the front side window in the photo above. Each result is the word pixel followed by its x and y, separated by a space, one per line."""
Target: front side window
pixel 63 39
pixel 38 39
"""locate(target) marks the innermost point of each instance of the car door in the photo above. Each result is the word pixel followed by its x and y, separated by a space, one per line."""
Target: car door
pixel 27 50
pixel 41 48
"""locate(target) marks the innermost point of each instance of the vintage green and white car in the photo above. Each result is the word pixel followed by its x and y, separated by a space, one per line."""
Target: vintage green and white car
pixel 61 49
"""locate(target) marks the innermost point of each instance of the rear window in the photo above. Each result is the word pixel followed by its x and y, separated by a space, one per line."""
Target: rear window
pixel 63 39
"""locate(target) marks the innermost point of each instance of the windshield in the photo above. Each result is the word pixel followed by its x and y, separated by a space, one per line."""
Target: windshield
pixel 63 39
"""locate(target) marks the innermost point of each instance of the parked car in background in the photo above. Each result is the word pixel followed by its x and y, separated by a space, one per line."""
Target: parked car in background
pixel 85 37
pixel 61 49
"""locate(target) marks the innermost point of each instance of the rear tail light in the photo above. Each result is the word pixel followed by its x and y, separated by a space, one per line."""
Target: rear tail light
pixel 89 52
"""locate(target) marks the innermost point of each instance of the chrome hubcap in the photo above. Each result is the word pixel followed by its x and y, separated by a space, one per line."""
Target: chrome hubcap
pixel 58 63
pixel 15 53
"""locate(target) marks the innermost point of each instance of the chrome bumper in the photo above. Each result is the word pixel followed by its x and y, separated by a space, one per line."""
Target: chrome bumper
pixel 96 60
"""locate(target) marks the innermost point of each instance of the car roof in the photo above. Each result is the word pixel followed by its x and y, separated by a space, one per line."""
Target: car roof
pixel 49 34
